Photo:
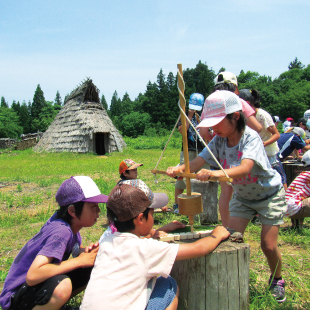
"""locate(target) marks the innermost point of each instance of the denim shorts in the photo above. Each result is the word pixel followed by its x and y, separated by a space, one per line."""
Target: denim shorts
pixel 163 294
pixel 270 210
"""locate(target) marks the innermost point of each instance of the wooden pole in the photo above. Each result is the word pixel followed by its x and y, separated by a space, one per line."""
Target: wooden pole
pixel 184 131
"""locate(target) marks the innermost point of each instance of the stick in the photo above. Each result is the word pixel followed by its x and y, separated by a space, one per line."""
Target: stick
pixel 193 176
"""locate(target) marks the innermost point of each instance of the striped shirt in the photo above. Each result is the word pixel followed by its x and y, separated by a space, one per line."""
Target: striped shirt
pixel 297 192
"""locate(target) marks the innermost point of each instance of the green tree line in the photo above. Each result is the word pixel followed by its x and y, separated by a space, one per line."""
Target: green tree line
pixel 156 111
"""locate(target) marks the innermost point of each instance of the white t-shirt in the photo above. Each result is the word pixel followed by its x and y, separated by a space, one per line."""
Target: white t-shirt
pixel 265 119
pixel 125 272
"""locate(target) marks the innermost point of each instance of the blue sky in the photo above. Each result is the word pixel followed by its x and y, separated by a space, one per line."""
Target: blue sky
pixel 122 45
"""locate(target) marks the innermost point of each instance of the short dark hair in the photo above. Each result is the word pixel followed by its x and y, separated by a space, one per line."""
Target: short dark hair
pixel 125 226
pixel 122 176
pixel 63 214
pixel 241 123
pixel 225 86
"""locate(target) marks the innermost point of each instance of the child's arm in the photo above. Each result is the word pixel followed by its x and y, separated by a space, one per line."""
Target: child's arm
pixel 42 268
pixel 194 165
pixel 275 135
pixel 203 246
pixel 235 172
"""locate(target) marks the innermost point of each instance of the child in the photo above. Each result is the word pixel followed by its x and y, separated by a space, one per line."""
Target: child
pixel 269 134
pixel 41 274
pixel 228 81
pixel 298 193
pixel 257 187
pixel 126 270
pixel 128 169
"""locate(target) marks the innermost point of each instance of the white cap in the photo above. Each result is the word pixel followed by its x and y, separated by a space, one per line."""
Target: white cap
pixel 226 77
pixel 218 105
pixel 306 158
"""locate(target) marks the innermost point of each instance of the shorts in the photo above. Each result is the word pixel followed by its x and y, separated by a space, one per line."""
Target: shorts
pixel 163 294
pixel 27 297
pixel 279 168
pixel 270 210
pixel 180 184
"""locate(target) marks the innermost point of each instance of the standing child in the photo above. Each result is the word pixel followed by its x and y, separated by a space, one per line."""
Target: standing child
pixel 42 276
pixel 133 273
pixel 257 187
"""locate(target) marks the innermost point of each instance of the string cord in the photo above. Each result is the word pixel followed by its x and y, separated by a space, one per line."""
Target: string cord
pixel 190 123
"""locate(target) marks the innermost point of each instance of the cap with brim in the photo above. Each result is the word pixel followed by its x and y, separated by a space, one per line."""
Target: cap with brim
pixel 129 198
pixel 306 158
pixel 128 164
pixel 277 119
pixel 196 101
pixel 79 188
pixel 298 131
pixel 218 105
pixel 226 77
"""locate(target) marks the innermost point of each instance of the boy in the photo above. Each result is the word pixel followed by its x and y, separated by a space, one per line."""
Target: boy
pixel 128 169
pixel 126 268
pixel 41 276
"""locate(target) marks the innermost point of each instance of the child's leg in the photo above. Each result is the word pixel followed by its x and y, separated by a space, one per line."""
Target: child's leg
pixel 60 296
pixel 269 245
pixel 238 223
pixel 225 197
pixel 164 295
pixel 50 294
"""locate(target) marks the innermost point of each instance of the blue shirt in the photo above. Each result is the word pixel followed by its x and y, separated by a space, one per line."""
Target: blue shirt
pixel 288 142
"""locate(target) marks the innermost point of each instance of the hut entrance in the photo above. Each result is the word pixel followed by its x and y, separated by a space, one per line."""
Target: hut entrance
pixel 101 139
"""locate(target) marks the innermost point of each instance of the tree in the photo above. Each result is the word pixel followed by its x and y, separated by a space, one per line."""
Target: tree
pixel 295 64
pixel 3 103
pixel 38 102
pixel 104 103
pixel 134 124
pixel 25 118
pixel 57 101
pixel 9 123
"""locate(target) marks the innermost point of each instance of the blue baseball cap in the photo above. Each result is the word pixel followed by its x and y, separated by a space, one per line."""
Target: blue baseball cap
pixel 196 102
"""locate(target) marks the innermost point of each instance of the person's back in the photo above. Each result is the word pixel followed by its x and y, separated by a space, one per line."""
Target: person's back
pixel 125 274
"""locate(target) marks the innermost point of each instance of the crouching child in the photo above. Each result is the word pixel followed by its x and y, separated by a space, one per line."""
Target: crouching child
pixel 131 272
pixel 42 276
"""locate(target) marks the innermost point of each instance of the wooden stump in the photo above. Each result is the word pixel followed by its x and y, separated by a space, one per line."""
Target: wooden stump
pixel 290 172
pixel 208 191
pixel 217 281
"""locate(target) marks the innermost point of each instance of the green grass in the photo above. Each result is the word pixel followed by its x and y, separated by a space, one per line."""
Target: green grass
pixel 29 181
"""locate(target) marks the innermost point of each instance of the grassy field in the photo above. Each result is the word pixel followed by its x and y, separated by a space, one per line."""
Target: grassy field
pixel 29 181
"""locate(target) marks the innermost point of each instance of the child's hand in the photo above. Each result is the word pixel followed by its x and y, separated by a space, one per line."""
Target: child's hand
pixel 87 259
pixel 203 174
pixel 158 233
pixel 91 247
pixel 172 226
pixel 172 171
pixel 221 232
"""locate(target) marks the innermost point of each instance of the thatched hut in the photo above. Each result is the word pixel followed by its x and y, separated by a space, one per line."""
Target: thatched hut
pixel 82 125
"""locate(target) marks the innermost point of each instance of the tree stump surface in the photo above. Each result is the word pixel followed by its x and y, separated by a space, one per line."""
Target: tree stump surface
pixel 208 191
pixel 217 281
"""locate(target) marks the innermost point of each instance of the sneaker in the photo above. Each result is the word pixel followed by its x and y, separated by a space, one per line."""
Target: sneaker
pixel 176 208
pixel 277 289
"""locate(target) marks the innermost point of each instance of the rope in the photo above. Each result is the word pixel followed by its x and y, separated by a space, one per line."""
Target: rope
pixel 190 123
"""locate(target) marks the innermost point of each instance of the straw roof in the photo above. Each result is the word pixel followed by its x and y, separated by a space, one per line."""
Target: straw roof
pixel 82 125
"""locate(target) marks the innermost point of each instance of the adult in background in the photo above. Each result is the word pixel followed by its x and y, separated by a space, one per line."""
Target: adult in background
pixel 196 102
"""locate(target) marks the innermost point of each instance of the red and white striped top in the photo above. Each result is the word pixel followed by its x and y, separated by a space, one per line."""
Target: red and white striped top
pixel 297 192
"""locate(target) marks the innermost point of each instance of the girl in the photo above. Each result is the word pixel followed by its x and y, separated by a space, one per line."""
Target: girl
pixel 228 81
pixel 257 187
pixel 269 134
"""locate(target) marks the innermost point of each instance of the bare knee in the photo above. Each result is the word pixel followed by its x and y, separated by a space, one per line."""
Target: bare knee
pixel 63 291
pixel 268 247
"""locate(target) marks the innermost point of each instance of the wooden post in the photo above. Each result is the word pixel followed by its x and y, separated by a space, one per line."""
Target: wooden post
pixel 217 281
